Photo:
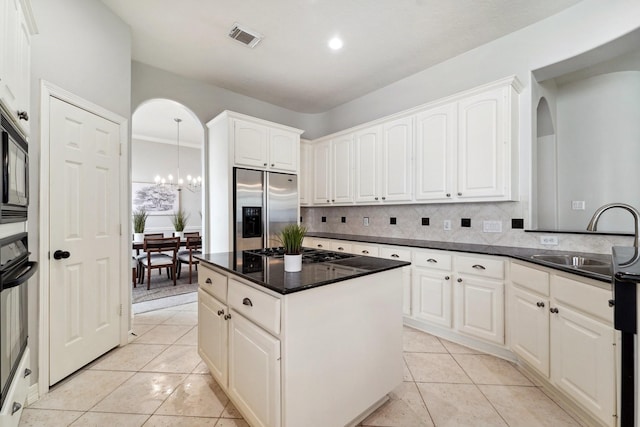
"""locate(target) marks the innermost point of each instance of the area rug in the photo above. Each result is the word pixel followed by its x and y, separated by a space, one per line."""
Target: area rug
pixel 161 287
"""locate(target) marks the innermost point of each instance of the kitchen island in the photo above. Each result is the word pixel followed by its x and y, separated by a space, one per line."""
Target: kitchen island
pixel 320 347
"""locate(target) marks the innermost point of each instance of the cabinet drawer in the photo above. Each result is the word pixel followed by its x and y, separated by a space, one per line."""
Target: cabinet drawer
pixel 321 244
pixel 396 253
pixel 530 278
pixel 435 260
pixel 255 305
pixel 481 267
pixel 362 249
pixel 340 246
pixel 589 299
pixel 213 282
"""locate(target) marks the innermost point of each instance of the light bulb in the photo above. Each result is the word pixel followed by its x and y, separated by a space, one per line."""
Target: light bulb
pixel 157 179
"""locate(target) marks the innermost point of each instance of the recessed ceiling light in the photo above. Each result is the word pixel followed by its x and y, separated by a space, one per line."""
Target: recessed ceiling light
pixel 336 43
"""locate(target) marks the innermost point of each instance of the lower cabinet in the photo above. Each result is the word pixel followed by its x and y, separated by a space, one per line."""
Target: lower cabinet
pixel 401 254
pixel 479 308
pixel 432 292
pixel 562 327
pixel 212 340
pixel 254 371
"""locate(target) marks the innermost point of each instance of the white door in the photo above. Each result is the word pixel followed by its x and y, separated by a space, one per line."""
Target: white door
pixel 84 312
pixel 432 296
pixel 212 335
pixel 530 328
pixel 479 308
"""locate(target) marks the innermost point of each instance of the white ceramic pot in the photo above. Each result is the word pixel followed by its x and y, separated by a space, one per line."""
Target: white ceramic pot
pixel 138 237
pixel 179 234
pixel 293 263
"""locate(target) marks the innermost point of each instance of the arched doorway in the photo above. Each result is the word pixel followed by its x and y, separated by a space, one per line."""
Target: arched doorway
pixel 167 142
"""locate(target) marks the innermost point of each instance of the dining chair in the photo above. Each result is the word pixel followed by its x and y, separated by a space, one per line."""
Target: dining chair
pixel 193 247
pixel 161 253
pixel 139 256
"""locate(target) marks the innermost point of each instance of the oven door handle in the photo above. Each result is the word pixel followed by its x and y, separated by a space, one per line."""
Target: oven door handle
pixel 32 267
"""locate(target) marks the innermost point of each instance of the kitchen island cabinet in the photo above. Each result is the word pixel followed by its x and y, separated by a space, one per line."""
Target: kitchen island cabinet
pixel 315 348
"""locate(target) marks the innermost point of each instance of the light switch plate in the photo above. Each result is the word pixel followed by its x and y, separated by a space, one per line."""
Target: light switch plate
pixel 365 221
pixel 549 240
pixel 447 225
pixel 578 205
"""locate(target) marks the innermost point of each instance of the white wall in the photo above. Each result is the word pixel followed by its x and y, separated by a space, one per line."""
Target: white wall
pixel 149 159
pixel 598 142
pixel 81 46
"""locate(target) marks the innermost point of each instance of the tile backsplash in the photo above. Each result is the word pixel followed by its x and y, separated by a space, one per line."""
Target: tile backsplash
pixel 426 222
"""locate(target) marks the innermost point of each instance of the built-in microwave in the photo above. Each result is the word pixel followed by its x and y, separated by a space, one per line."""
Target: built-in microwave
pixel 15 173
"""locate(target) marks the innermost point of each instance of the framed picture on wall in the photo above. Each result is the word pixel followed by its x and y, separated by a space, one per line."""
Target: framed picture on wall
pixel 155 199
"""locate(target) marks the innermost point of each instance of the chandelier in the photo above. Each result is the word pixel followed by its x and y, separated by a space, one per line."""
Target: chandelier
pixel 193 183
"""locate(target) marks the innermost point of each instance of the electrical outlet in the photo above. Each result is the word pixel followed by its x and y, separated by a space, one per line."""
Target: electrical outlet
pixel 578 205
pixel 549 240
pixel 365 221
pixel 447 224
pixel 492 226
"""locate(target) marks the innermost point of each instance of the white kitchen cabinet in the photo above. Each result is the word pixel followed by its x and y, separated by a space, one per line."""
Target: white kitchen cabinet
pixel 263 147
pixel 254 372
pixel 435 153
pixel 212 340
pixel 383 162
pixel 333 171
pixel 340 246
pixel 467 149
pixel 431 279
pixel 15 60
pixel 305 174
pixel 365 249
pixel 561 325
pixel 479 298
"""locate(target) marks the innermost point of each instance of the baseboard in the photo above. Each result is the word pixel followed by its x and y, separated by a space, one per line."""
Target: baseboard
pixel 32 394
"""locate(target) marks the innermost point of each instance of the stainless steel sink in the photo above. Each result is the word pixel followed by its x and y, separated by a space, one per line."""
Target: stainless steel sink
pixel 579 262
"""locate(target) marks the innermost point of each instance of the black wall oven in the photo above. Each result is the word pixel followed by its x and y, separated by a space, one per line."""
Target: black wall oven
pixel 15 173
pixel 15 271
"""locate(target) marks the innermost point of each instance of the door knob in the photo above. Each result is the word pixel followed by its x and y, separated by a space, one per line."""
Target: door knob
pixel 61 254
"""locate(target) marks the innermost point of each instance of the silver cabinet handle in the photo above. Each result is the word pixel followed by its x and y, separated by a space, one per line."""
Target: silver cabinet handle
pixel 208 281
pixel 446 277
pixel 459 280
pixel 23 115
pixel 364 251
pixel 375 198
pixel 319 245
pixel 15 408
pixel 384 198
pixel 247 301
pixel 432 261
pixel 27 372
pixel 478 267
pixel 553 310
pixel 265 164
pixel 227 316
pixel 459 194
pixel 341 248
pixel 395 256
pixel 273 164
pixel 220 312
pixel 540 304
pixel 448 194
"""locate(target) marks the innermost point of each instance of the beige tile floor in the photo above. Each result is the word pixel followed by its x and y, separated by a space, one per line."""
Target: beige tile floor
pixel 159 380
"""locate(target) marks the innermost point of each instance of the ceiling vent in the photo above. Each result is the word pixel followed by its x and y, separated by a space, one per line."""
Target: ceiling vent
pixel 245 36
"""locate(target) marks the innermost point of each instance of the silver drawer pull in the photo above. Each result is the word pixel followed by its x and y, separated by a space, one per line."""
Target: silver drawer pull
pixel 247 301
pixel 15 408
pixel 478 267
pixel 395 256
pixel 341 248
pixel 27 372
pixel 319 245
pixel 220 312
pixel 365 251
pixel 433 261
pixel 208 281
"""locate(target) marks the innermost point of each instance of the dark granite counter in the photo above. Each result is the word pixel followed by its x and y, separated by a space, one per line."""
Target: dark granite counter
pixel 269 271
pixel 524 254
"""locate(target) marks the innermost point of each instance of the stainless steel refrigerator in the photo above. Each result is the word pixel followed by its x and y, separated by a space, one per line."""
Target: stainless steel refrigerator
pixel 264 203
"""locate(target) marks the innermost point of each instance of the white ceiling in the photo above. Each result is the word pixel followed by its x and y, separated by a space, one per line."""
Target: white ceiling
pixel 384 41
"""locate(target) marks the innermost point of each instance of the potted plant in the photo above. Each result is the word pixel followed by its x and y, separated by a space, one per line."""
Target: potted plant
pixel 139 221
pixel 291 238
pixel 179 221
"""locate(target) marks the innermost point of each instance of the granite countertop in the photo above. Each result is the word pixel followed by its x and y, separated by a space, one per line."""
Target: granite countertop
pixel 269 271
pixel 523 254
pixel 626 264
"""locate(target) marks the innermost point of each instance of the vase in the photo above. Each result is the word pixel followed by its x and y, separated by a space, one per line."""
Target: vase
pixel 179 234
pixel 138 237
pixel 292 263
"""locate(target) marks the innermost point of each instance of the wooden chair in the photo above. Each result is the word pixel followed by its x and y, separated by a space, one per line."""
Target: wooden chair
pixel 161 253
pixel 139 256
pixel 194 244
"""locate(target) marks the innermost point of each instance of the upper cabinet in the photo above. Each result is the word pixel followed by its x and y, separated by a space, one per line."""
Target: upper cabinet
pixel 16 27
pixel 263 147
pixel 306 168
pixel 460 149
pixel 333 171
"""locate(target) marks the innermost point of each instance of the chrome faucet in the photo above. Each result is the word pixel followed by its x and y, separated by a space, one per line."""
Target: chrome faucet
pixel 593 224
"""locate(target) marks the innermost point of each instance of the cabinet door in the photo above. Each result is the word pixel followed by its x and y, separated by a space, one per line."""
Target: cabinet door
pixel 583 360
pixel 401 254
pixel 304 174
pixel 342 168
pixel 482 145
pixel 432 296
pixel 212 335
pixel 254 372
pixel 397 164
pixel 283 150
pixel 321 173
pixel 250 144
pixel 367 165
pixel 529 328
pixel 479 308
pixel 435 153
